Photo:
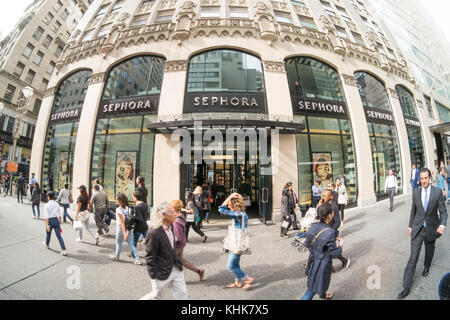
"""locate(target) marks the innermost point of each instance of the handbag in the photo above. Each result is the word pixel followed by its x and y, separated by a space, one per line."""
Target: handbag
pixel 84 216
pixel 285 224
pixel 190 217
pixel 77 225
pixel 237 241
pixel 247 201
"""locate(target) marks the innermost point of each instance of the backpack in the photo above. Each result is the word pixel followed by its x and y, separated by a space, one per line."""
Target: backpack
pixel 198 202
pixel 205 202
pixel 130 220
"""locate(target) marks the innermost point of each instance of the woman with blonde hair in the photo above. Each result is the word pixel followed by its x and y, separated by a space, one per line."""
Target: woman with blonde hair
pixel 179 227
pixel 234 208
pixel 192 217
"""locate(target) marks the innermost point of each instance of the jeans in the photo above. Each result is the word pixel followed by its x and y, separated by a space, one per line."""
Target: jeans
pixel 65 207
pixel 448 189
pixel 341 209
pixel 233 266
pixel 391 192
pixel 54 224
pixel 207 215
pixel 309 295
pixel 119 241
pixel 136 236
pixel 315 201
pixel 38 210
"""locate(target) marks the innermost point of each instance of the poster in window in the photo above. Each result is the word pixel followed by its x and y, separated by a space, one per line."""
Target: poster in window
pixel 64 157
pixel 322 168
pixel 379 160
pixel 125 172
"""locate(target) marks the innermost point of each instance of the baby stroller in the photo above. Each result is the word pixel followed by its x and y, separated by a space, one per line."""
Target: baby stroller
pixel 300 238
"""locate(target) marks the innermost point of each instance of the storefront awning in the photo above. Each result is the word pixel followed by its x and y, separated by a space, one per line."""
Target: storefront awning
pixel 285 125
pixel 443 128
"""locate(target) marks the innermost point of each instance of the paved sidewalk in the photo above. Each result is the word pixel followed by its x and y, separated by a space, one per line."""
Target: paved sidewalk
pixel 375 239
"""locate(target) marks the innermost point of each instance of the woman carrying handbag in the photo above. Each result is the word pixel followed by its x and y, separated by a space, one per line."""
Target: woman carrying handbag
pixel 237 239
pixel 83 206
pixel 65 199
pixel 36 200
pixel 342 197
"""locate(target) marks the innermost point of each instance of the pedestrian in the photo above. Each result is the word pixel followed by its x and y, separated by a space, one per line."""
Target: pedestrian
pixel 36 200
pixel 294 200
pixel 441 181
pixel 141 216
pixel 33 181
pixel 52 218
pixel 20 187
pixel 64 199
pixel 342 197
pixel 198 204
pixel 7 185
pixel 192 218
pixel 140 181
pixel 83 205
pixel 415 181
pixel 100 205
pixel 286 206
pixel 206 205
pixel 321 241
pixel 390 187
pixel 123 230
pixel 163 264
pixel 179 228
pixel 234 208
pixel 336 223
pixel 447 177
pixel 316 193
pixel 97 182
pixel 425 226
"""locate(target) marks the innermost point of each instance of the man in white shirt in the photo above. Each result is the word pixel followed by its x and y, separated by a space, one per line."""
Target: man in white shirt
pixel 390 187
pixel 52 218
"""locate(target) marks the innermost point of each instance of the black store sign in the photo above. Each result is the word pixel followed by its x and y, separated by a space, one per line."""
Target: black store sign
pixel 411 122
pixel 65 115
pixel 133 106
pixel 7 137
pixel 379 116
pixel 318 107
pixel 224 102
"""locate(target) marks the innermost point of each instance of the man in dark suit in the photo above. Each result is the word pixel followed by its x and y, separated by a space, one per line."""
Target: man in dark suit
pixel 415 179
pixel 425 226
pixel 163 264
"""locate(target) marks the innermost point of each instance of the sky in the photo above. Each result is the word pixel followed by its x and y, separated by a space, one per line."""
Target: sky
pixel 13 10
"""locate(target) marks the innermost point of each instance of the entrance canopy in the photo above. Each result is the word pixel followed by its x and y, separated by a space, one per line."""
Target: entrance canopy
pixel 168 124
pixel 443 128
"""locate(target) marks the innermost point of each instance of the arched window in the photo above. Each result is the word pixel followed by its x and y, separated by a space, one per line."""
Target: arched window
pixel 139 76
pixel 57 165
pixel 225 70
pixel 372 91
pixel 311 78
pixel 407 102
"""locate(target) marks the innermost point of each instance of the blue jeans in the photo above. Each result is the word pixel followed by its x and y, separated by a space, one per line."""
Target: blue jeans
pixel 309 295
pixel 38 210
pixel 65 206
pixel 233 266
pixel 207 215
pixel 119 241
pixel 54 224
pixel 448 190
pixel 136 236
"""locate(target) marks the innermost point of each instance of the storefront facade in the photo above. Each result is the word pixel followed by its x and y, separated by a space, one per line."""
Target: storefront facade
pixel 159 99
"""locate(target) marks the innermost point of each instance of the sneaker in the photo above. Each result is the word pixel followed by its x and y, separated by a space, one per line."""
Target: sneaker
pixel 34 218
pixel 78 240
pixel 64 253
pixel 45 244
pixel 137 262
pixel 346 265
pixel 201 272
pixel 113 257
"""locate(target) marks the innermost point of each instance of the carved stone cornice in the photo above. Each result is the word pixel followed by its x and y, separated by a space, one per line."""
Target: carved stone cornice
pixel 349 80
pixel 274 66
pixel 420 104
pixel 393 93
pixel 50 92
pixel 98 78
pixel 176 65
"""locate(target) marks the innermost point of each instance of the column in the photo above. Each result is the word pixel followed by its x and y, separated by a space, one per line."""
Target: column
pixel 361 140
pixel 173 88
pixel 85 134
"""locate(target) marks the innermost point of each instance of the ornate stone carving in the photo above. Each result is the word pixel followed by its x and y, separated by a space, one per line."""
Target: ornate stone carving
pixel 49 92
pixel 420 103
pixel 264 17
pixel 393 93
pixel 349 80
pixel 184 18
pixel 281 6
pixel 210 2
pixel 328 28
pixel 274 66
pixel 238 3
pixel 176 65
pixel 167 4
pixel 98 78
pixel 117 27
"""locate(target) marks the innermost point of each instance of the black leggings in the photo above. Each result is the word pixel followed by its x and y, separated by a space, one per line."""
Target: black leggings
pixel 196 228
pixel 341 209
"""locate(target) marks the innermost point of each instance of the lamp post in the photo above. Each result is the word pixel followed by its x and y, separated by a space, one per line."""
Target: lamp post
pixel 22 105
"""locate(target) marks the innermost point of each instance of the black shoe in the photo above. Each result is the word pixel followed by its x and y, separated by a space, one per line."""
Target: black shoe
pixel 403 294
pixel 426 272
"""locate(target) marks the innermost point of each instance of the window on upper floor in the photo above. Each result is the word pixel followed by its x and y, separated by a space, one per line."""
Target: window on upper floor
pixel 51 67
pixel 307 22
pixel 19 69
pixel 64 14
pixel 9 93
pixel 139 21
pixel 49 17
pixel 59 51
pixel 104 30
pixel 165 16
pixel 58 5
pixel 38 58
pixel 30 77
pixel 238 12
pixel 55 27
pixel 210 12
pixel 282 16
pixel 102 11
pixel 341 32
pixel 37 106
pixel 48 40
pixel 38 33
pixel 44 84
pixel 28 50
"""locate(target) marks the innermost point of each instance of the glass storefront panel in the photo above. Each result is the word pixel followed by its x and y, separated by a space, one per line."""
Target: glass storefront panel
pixel 372 91
pixel 416 146
pixel 122 153
pixel 385 155
pixel 72 91
pixel 58 156
pixel 407 102
pixel 325 157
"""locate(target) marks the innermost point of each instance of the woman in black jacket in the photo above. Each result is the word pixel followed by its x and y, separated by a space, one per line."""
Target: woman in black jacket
pixel 36 200
pixel 321 241
pixel 287 205
pixel 141 213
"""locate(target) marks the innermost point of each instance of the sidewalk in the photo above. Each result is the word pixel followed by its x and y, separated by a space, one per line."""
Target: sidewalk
pixel 375 239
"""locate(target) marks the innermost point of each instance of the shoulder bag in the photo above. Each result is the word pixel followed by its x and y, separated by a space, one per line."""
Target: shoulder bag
pixel 84 215
pixel 237 241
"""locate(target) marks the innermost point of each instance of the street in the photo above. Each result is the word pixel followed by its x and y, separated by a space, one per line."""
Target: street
pixel 376 241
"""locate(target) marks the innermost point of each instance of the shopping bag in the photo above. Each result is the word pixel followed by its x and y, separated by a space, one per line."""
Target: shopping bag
pixel 237 241
pixel 77 225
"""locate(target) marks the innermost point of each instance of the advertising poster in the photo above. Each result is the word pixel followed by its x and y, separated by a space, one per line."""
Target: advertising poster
pixel 380 174
pixel 125 172
pixel 322 168
pixel 63 171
